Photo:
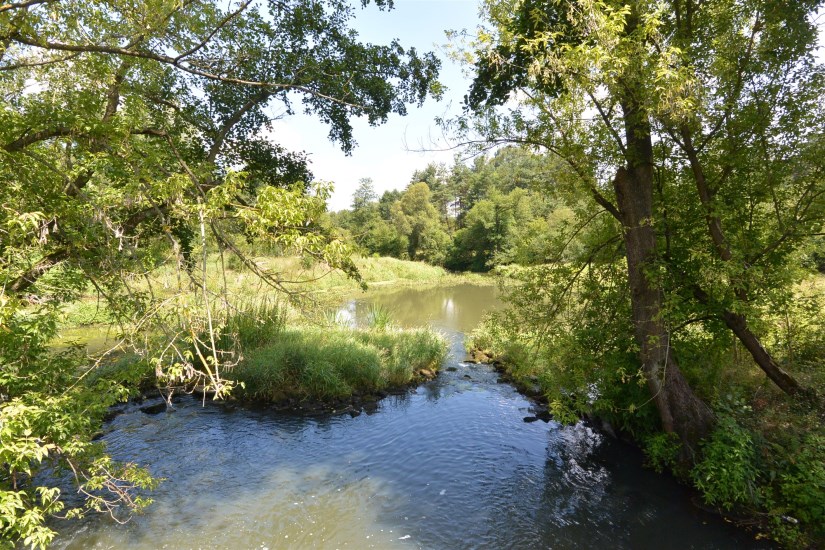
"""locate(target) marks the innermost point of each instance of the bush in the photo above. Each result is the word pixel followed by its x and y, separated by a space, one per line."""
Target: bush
pixel 727 472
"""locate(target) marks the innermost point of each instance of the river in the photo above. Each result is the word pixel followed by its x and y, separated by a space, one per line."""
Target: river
pixel 460 462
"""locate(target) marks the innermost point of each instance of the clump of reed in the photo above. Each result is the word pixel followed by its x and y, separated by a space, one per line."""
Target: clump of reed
pixel 332 363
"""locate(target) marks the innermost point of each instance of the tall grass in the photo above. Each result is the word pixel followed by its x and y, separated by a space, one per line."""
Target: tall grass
pixel 312 363
pixel 379 317
pixel 406 352
pixel 254 323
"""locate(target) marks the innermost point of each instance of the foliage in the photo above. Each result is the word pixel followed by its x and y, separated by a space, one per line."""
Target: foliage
pixel 727 473
pixel 48 417
pixel 501 210
pixel 135 146
pixel 416 218
pixel 800 487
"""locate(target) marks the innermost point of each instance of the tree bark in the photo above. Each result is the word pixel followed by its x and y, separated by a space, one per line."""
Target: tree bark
pixel 680 410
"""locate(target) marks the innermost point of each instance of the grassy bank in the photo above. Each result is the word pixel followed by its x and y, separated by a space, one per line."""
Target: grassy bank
pixel 271 356
pixel 277 352
pixel 314 281
pixel 280 361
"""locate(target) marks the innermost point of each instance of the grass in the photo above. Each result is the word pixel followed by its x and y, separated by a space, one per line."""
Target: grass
pixel 376 271
pixel 277 361
pixel 317 281
pixel 333 363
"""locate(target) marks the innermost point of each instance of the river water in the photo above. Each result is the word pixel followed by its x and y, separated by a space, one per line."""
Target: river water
pixel 460 462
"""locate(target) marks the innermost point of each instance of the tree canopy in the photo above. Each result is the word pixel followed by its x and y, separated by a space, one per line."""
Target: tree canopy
pixel 134 134
pixel 671 114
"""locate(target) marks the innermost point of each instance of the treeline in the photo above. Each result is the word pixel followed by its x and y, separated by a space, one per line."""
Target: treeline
pixel 514 207
pixel 506 208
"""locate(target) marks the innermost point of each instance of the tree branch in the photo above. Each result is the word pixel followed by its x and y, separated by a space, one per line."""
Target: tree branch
pixel 168 60
pixel 606 121
pixel 217 28
pixel 19 5
pixel 260 97
pixel 30 276
pixel 29 139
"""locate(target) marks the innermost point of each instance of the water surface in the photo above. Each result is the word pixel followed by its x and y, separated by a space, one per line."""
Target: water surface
pixel 461 462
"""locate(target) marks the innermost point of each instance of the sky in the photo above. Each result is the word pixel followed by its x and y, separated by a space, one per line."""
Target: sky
pixel 389 153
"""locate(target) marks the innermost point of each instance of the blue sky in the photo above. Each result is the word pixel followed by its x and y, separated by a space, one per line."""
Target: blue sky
pixel 391 152
pixel 387 153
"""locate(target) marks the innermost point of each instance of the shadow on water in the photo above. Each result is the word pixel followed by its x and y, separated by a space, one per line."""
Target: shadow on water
pixel 457 463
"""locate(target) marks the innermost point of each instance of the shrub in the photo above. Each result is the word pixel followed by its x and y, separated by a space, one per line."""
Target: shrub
pixel 727 472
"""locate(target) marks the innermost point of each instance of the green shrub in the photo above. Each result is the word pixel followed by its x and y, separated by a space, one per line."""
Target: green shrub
pixel 727 472
pixel 662 450
pixel 794 489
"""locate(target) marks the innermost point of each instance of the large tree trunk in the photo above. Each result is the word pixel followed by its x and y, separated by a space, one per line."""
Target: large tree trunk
pixel 680 410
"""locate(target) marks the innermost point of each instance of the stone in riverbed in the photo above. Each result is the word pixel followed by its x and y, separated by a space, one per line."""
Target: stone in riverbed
pixel 156 409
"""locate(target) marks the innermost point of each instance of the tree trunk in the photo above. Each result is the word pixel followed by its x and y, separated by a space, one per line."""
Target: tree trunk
pixel 736 321
pixel 738 324
pixel 680 410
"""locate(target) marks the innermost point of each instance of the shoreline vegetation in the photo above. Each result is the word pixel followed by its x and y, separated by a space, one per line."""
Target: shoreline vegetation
pixel 762 466
pixel 301 358
pixel 307 360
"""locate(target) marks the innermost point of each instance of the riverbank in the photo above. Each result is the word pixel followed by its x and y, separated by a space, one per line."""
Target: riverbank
pixel 90 323
pixel 463 445
pixel 763 466
pixel 304 356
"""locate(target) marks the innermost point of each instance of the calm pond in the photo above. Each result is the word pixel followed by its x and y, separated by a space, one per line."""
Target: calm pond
pixel 457 463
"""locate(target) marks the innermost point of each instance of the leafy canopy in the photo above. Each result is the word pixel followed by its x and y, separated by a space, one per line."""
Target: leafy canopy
pixel 136 136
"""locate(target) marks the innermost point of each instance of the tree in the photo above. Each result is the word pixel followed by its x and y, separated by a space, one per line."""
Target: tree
pixel 436 177
pixel 364 196
pixel 492 230
pixel 416 218
pixel 609 87
pixel 133 134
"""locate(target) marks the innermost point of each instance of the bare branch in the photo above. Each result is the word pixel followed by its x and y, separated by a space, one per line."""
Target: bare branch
pixel 30 276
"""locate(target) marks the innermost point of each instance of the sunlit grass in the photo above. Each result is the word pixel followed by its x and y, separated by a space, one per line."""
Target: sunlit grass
pixel 317 282
pixel 327 363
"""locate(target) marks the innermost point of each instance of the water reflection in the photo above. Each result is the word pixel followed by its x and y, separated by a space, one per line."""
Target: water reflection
pixel 458 307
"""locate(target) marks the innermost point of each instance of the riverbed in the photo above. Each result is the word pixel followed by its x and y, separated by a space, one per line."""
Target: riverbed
pixel 463 461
